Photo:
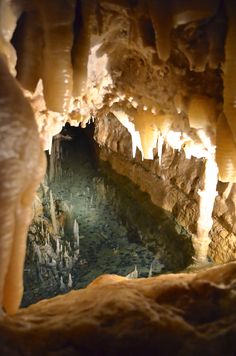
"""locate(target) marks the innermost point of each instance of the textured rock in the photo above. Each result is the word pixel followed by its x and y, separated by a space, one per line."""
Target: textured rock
pixel 175 314
pixel 183 314
pixel 167 88
pixel 173 185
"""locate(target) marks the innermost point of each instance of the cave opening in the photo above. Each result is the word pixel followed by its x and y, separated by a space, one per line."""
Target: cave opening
pixel 89 221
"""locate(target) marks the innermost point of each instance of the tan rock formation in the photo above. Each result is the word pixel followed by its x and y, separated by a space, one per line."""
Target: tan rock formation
pixel 156 68
pixel 183 314
pixel 172 185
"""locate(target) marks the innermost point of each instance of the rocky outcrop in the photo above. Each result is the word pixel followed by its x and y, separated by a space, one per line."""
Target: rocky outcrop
pixel 185 314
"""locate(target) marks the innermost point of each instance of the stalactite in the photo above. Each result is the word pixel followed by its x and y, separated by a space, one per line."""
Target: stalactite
pixel 28 40
pixel 225 151
pixel 82 45
pixel 135 136
pixel 145 124
pixel 21 169
pixel 57 18
pixel 169 14
pixel 160 13
pixel 230 68
pixel 207 199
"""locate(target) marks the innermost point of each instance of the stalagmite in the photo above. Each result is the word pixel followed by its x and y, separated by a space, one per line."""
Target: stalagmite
pixel 133 274
pixel 159 147
pixel 150 271
pixel 55 158
pixel 38 252
pixel 62 285
pixel 207 199
pixel 22 166
pixel 70 281
pixel 53 214
pixel 58 247
pixel 76 233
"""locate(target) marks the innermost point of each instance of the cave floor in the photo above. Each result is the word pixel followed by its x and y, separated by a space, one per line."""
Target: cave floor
pixel 120 229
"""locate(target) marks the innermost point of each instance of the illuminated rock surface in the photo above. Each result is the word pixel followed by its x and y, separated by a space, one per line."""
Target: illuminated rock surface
pixel 154 68
pixel 183 314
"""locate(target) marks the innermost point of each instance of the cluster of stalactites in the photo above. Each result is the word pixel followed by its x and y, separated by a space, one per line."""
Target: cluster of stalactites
pixel 170 14
pixel 52 40
pixel 52 43
pixel 149 128
pixel 44 40
pixel 146 129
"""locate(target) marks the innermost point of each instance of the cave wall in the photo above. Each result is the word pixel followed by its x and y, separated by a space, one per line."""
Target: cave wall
pixel 172 185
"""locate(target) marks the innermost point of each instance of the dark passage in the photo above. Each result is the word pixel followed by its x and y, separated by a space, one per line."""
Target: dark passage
pixel 104 224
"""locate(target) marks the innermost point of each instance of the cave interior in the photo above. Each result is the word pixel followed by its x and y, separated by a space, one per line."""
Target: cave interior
pixel 117 177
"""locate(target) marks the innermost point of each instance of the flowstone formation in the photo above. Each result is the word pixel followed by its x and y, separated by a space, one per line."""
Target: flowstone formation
pixel 158 75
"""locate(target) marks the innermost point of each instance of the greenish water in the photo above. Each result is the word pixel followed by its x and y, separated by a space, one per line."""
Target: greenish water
pixel 120 229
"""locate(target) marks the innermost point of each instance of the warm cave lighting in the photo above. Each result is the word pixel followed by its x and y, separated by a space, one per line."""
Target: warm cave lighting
pixel 207 199
pixel 117 177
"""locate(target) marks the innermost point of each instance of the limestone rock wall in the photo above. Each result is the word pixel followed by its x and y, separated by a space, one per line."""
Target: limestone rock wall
pixel 172 185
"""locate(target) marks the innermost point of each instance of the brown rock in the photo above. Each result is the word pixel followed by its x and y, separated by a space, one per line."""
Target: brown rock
pixel 183 314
